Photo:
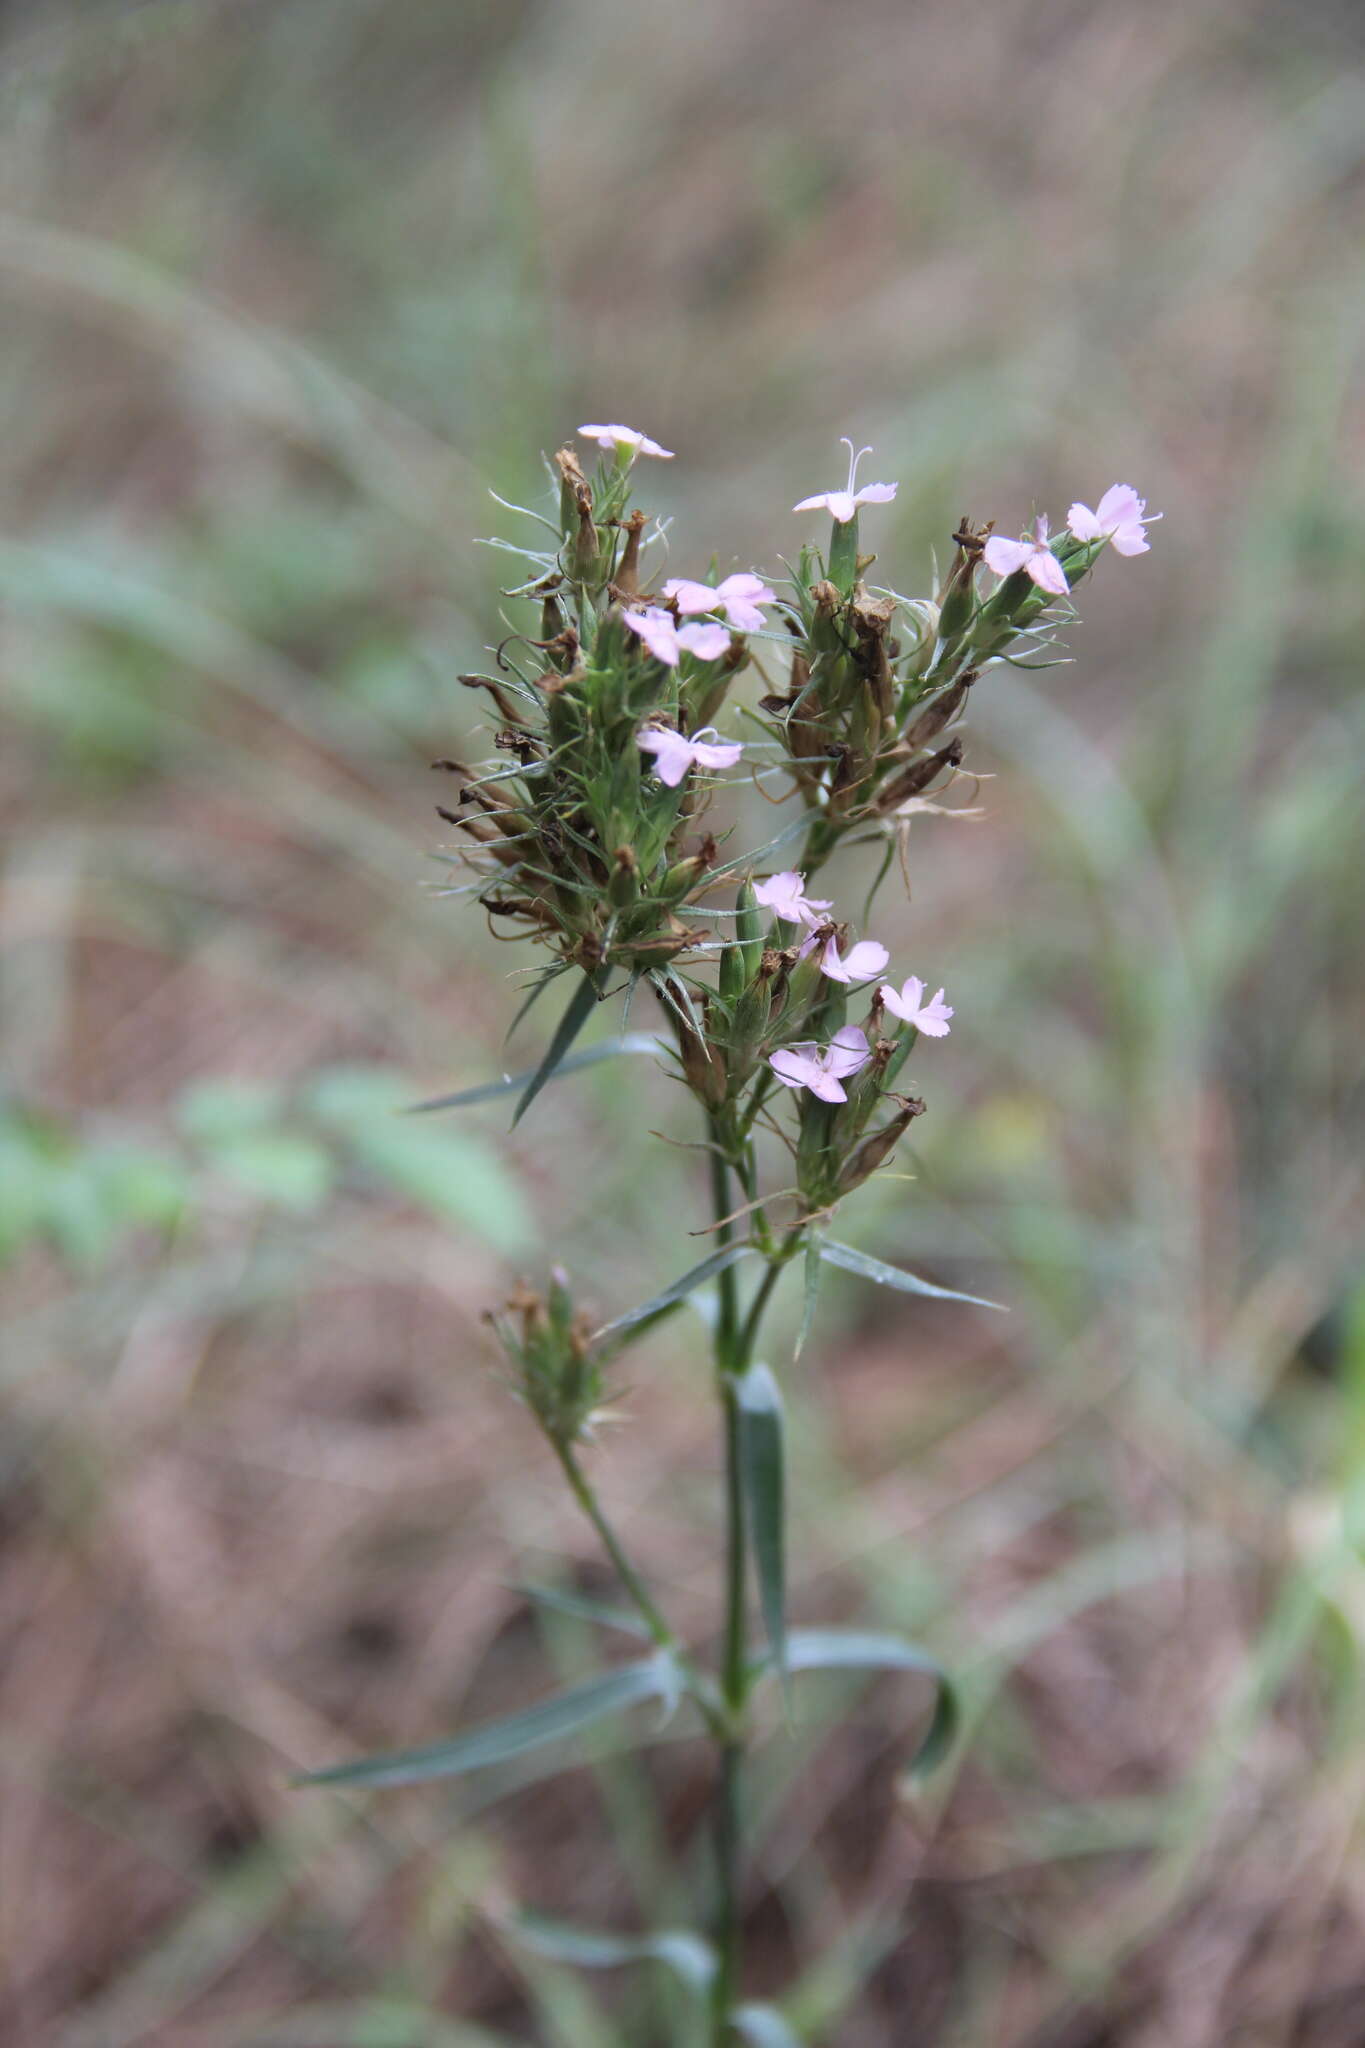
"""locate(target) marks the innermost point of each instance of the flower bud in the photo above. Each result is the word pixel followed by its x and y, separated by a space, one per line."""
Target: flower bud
pixel 875 1150
pixel 548 1347
pixel 925 729
pixel 917 776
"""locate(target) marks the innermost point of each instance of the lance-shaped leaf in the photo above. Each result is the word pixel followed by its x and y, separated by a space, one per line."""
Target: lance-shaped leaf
pixel 851 1649
pixel 508 1084
pixel 869 1268
pixel 763 2026
pixel 761 1468
pixel 689 1957
pixel 498 1742
pixel 581 1006
pixel 584 1609
pixel 672 1297
pixel 813 1273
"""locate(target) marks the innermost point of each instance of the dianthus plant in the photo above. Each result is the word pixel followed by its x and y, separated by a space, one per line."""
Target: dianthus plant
pixel 598 832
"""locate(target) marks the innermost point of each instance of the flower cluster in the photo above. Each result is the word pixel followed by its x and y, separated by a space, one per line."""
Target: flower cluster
pixel 590 833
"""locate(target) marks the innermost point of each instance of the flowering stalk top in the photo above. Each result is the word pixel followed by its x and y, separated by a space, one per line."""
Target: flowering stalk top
pixel 841 505
pixel 1034 557
pixel 1120 518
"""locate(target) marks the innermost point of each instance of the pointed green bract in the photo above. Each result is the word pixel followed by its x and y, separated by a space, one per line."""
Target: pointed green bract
pixel 761 1458
pixel 498 1742
pixel 583 1609
pixel 581 1006
pixel 869 1268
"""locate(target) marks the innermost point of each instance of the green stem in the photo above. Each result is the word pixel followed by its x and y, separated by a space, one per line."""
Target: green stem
pixel 581 1487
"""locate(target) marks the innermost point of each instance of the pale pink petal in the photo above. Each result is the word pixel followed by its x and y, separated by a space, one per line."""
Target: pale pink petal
pixel 820 504
pixel 691 597
pixel 827 1087
pixel 867 958
pixel 1083 523
pixel 1047 572
pixel 717 753
pixel 905 1001
pixel 708 643
pixel 1003 557
pixel 1120 506
pixel 658 632
pixel 617 436
pixel 795 1066
pixel 672 754
pixel 1130 540
pixel 785 895
pixel 747 587
pixel 933 1018
pixel 876 494
pixel 830 963
pixel 848 1050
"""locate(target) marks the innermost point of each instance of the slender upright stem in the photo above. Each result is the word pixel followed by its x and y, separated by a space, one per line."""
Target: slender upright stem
pixel 583 1493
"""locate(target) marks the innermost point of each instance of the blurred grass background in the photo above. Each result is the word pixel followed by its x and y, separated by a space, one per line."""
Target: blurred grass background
pixel 286 287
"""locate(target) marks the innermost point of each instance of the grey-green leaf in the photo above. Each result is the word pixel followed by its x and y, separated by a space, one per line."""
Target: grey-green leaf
pixel 814 1244
pixel 869 1268
pixel 763 2027
pixel 581 1006
pixel 673 1297
pixel 846 1649
pixel 498 1742
pixel 761 1467
pixel 689 1957
pixel 488 1091
pixel 584 1609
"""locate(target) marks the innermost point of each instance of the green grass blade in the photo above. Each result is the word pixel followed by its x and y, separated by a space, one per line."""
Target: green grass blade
pixel 869 1268
pixel 498 1742
pixel 583 1609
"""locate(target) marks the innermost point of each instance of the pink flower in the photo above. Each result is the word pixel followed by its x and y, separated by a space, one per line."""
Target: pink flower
pixel 1118 518
pixel 1034 556
pixel 865 961
pixel 625 438
pixel 822 1069
pixel 739 597
pixel 931 1018
pixel 841 505
pixel 667 640
pixel 785 895
pixel 674 755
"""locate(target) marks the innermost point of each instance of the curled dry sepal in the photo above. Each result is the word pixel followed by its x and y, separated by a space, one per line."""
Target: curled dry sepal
pixel 589 832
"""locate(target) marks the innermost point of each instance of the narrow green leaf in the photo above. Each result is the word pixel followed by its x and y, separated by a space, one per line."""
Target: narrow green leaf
pixel 673 1297
pixel 845 1649
pixel 869 1268
pixel 584 1609
pixel 689 1957
pixel 497 1742
pixel 581 1006
pixel 489 1091
pixel 763 2027
pixel 761 1465
pixel 813 1276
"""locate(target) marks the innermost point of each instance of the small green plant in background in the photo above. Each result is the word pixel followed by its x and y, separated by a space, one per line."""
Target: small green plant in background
pixel 594 831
